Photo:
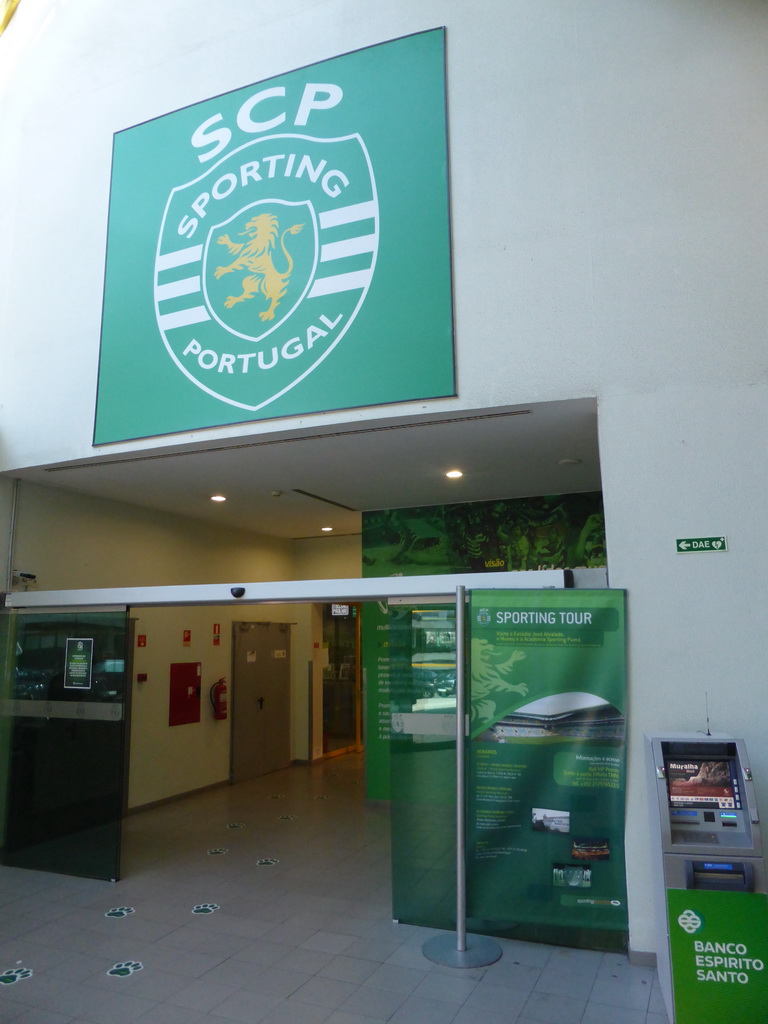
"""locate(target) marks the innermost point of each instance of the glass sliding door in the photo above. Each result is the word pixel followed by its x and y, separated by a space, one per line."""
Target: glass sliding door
pixel 422 652
pixel 63 691
pixel 342 680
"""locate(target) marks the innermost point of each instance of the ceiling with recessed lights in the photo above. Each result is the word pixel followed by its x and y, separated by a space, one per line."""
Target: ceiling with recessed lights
pixel 286 486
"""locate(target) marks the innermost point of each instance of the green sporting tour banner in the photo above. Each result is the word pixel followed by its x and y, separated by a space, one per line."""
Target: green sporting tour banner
pixel 546 769
pixel 545 765
pixel 282 249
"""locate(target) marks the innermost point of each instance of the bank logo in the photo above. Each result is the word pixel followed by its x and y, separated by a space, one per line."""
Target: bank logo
pixel 264 262
pixel 690 922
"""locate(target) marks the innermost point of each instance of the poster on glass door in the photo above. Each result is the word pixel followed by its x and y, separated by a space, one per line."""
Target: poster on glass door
pixel 78 663
pixel 547 764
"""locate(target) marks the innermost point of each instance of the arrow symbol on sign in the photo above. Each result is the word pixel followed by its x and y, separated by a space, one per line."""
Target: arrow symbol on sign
pixel 684 545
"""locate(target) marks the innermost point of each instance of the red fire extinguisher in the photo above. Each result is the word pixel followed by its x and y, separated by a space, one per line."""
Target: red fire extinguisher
pixel 218 695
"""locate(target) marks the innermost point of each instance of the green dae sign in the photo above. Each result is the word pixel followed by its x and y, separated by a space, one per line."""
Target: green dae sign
pixel 686 544
pixel 719 949
pixel 282 249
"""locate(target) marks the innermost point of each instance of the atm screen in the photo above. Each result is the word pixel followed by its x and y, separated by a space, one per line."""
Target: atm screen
pixel 702 782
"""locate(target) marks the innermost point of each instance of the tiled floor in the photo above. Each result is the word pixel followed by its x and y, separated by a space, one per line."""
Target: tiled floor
pixel 289 923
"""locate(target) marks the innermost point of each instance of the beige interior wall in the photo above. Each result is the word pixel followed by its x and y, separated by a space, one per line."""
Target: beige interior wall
pixel 169 760
pixel 71 541
pixel 164 760
pixel 328 558
pixel 6 503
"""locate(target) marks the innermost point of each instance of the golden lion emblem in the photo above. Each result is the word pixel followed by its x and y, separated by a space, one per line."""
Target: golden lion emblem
pixel 255 256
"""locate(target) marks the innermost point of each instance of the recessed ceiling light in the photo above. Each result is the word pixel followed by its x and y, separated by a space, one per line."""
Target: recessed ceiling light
pixel 327 529
pixel 569 462
pixel 218 497
pixel 454 474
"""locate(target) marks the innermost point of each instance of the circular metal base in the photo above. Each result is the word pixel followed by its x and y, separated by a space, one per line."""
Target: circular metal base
pixel 480 951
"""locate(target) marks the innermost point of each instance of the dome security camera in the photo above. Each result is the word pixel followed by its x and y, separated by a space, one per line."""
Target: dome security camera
pixel 237 591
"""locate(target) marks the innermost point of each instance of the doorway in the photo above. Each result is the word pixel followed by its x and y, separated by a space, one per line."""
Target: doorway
pixel 63 736
pixel 261 699
pixel 342 680
pixel 204 609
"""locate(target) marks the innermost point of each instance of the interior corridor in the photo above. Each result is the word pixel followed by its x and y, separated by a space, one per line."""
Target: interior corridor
pixel 269 902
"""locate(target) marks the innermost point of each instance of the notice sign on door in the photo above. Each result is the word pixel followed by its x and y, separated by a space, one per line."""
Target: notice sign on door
pixel 78 663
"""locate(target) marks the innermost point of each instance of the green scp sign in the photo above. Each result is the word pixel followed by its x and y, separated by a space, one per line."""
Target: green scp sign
pixel 719 951
pixel 282 249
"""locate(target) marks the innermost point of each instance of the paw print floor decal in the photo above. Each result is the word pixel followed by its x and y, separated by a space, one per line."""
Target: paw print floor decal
pixel 10 977
pixel 125 968
pixel 120 912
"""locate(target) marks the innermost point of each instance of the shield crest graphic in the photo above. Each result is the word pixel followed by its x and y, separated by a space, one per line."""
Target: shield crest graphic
pixel 263 263
pixel 258 266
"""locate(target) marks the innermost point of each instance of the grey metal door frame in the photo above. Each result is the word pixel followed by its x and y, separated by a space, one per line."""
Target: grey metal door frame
pixel 377 588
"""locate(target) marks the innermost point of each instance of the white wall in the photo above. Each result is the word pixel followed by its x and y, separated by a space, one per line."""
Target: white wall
pixel 697 632
pixel 607 194
pixel 165 760
pixel 610 210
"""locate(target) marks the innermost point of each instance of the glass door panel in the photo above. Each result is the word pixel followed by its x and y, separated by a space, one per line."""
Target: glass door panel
pixel 422 651
pixel 341 679
pixel 62 725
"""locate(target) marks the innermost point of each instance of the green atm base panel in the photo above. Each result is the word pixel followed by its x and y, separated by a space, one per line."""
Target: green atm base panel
pixel 719 951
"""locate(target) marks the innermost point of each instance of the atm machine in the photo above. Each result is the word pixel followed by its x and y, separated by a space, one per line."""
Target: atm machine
pixel 706 838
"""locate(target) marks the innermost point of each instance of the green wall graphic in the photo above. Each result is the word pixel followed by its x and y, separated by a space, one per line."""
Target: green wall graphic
pixel 552 532
pixel 282 249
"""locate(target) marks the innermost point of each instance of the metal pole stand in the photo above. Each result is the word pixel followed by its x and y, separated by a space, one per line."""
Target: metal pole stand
pixel 479 952
pixel 461 950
